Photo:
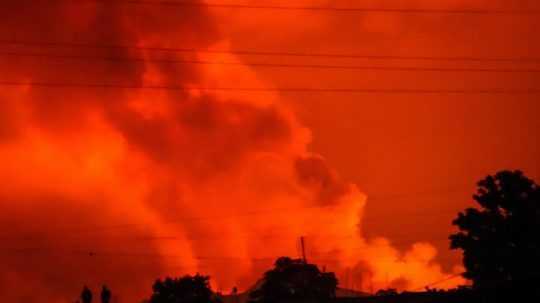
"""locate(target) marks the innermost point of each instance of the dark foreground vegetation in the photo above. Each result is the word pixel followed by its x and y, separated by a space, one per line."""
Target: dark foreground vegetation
pixel 500 240
pixel 460 295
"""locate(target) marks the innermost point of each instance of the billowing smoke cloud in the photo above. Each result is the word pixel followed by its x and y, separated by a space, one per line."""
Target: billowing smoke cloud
pixel 122 186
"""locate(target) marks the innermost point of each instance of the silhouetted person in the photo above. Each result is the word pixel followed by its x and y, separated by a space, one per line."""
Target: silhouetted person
pixel 86 295
pixel 105 295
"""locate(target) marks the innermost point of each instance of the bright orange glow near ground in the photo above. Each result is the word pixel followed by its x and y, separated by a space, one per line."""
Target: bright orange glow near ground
pixel 121 186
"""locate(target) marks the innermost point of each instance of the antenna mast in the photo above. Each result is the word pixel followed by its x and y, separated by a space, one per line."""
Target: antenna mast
pixel 303 247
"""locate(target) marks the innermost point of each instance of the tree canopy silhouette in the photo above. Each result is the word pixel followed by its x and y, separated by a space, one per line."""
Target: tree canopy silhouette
pixel 188 289
pixel 293 280
pixel 501 239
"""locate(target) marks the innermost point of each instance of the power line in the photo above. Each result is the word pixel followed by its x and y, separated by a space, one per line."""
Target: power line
pixel 66 85
pixel 451 277
pixel 105 253
pixel 172 3
pixel 75 233
pixel 142 254
pixel 125 239
pixel 253 213
pixel 123 254
pixel 460 189
pixel 268 53
pixel 108 253
pixel 92 229
pixel 189 236
pixel 187 219
pixel 272 65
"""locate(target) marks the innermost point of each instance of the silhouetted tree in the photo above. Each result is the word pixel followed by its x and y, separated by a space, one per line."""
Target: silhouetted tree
pixel 501 239
pixel 105 294
pixel 86 295
pixel 188 289
pixel 294 281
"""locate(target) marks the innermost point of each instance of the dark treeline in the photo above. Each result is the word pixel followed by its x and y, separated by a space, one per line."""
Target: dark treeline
pixel 500 240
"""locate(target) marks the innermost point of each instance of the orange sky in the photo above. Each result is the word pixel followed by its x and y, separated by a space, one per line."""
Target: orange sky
pixel 417 156
pixel 173 182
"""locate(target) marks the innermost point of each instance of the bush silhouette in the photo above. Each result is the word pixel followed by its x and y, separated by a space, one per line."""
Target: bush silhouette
pixel 188 289
pixel 294 281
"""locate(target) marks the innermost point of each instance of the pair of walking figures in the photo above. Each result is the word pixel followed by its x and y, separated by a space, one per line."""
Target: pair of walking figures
pixel 86 295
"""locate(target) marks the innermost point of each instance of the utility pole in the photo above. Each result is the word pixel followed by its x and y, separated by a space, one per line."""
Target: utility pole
pixel 303 247
pixel 371 283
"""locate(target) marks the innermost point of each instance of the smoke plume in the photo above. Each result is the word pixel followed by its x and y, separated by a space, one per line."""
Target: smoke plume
pixel 121 186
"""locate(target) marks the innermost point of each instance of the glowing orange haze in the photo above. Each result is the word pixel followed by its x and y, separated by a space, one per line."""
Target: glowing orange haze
pixel 157 183
pixel 227 199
